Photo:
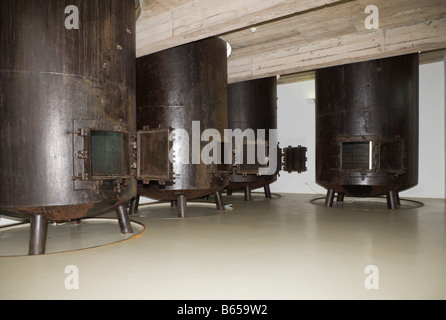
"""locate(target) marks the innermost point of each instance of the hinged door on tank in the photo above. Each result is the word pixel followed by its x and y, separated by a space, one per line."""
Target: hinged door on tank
pixel 154 158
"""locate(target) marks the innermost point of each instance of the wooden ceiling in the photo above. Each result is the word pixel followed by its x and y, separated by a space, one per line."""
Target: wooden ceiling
pixel 294 37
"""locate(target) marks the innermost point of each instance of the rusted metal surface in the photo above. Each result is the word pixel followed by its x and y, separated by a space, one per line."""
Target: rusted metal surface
pixel 267 191
pixel 174 88
pixel 134 204
pixel 367 127
pixel 252 105
pixel 153 163
pixel 123 219
pixel 219 201
pixel 58 88
pixel 294 159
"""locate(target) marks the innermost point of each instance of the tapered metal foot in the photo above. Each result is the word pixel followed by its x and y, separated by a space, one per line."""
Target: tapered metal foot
pixel 182 206
pixel 124 219
pixel 329 198
pixel 247 193
pixel 219 201
pixel 392 200
pixel 134 204
pixel 37 235
pixel 340 197
pixel 267 191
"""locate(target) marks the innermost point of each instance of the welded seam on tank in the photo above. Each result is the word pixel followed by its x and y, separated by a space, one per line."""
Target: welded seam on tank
pixel 53 73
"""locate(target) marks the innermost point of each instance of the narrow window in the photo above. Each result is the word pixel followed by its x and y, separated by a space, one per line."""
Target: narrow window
pixel 356 155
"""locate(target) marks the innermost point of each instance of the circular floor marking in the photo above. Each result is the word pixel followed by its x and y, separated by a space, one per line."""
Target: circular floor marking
pixel 195 208
pixel 67 237
pixel 368 204
pixel 255 196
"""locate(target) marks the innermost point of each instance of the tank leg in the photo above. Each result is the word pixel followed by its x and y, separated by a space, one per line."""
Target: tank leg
pixel 329 198
pixel 340 197
pixel 182 206
pixel 174 203
pixel 134 204
pixel 229 192
pixel 124 219
pixel 392 200
pixel 398 198
pixel 219 201
pixel 267 191
pixel 247 193
pixel 38 233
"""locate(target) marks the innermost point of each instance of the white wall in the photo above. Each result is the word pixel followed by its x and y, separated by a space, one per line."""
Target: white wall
pixel 296 125
pixel 431 179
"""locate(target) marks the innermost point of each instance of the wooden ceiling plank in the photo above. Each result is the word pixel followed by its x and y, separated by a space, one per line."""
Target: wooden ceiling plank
pixel 199 19
pixel 329 23
pixel 425 57
pixel 405 35
pixel 325 22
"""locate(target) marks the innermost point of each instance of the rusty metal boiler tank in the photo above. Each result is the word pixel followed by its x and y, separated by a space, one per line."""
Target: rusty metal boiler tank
pixel 367 128
pixel 252 105
pixel 180 93
pixel 67 110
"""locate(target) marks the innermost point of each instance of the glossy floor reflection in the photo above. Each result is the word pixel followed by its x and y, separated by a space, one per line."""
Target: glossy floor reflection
pixel 286 248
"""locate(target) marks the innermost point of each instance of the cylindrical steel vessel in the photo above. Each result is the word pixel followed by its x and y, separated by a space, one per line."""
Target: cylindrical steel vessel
pixel 183 88
pixel 252 105
pixel 367 127
pixel 67 106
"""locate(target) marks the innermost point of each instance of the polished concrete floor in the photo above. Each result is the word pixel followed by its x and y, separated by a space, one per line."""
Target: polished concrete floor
pixel 282 248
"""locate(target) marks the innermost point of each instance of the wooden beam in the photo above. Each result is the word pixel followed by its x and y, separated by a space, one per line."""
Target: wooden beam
pixel 296 77
pixel 425 57
pixel 406 26
pixel 199 19
pixel 432 56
